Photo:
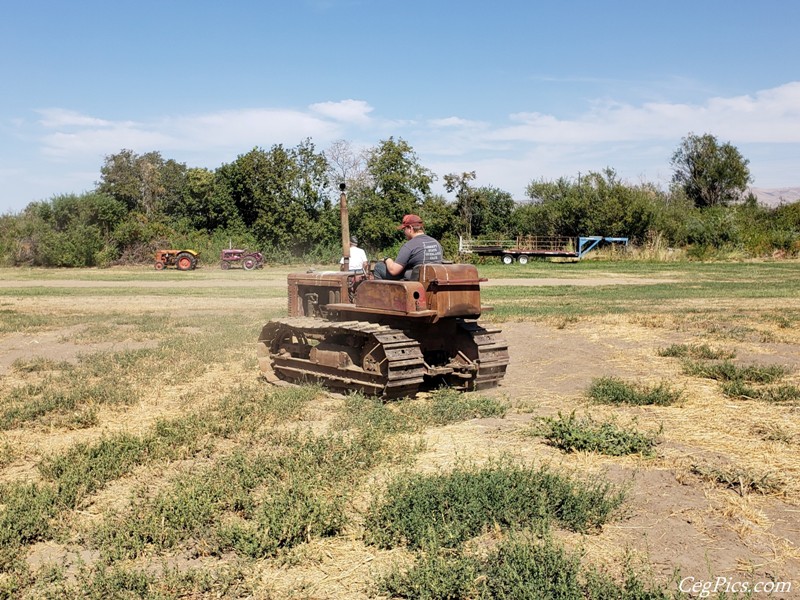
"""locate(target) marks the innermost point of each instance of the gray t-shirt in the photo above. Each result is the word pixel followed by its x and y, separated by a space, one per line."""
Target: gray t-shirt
pixel 422 249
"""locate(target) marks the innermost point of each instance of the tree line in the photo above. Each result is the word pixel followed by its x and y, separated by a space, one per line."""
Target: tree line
pixel 284 202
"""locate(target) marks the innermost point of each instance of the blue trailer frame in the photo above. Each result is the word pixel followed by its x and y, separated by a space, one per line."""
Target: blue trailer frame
pixel 590 242
pixel 537 246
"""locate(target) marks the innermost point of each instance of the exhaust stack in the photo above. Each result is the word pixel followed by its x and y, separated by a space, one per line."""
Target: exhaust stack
pixel 345 226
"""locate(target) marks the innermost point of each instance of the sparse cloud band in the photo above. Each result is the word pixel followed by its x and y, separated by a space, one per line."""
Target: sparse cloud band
pixel 635 140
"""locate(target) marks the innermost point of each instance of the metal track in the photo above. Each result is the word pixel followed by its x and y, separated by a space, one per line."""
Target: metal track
pixel 492 355
pixel 385 361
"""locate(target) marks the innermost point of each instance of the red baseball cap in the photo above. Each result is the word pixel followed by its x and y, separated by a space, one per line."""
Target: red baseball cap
pixel 409 220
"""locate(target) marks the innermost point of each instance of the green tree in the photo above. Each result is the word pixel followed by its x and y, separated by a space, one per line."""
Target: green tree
pixel 598 204
pixel 206 205
pixel 280 195
pixel 146 183
pixel 710 173
pixel 467 201
pixel 398 185
pixel 439 216
pixel 496 208
pixel 482 210
pixel 69 231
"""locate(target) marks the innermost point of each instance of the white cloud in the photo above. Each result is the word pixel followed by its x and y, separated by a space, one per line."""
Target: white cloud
pixel 70 134
pixel 347 111
pixel 769 116
pixel 243 129
pixel 99 142
pixel 455 122
pixel 636 140
pixel 59 117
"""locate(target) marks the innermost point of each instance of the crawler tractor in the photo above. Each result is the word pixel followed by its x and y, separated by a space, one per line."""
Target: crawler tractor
pixel 391 339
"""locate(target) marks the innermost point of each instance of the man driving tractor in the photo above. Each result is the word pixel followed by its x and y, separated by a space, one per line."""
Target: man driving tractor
pixel 418 250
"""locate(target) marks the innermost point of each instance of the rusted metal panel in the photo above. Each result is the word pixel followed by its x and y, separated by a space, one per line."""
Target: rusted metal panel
pixel 453 290
pixel 393 296
pixel 325 286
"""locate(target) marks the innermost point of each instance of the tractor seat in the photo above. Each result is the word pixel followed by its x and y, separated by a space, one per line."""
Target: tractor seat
pixel 414 274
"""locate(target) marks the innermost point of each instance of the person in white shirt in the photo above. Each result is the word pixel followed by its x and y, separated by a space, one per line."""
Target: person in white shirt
pixel 358 258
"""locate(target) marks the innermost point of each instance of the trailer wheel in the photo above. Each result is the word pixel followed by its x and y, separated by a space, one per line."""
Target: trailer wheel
pixel 507 259
pixel 523 259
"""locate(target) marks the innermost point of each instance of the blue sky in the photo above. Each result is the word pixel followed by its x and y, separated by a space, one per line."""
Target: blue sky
pixel 513 90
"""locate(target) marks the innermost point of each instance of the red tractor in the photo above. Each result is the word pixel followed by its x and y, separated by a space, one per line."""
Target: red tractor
pixel 183 260
pixel 248 259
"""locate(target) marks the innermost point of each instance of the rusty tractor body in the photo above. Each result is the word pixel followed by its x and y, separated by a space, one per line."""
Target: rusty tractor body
pixel 247 259
pixel 350 332
pixel 183 260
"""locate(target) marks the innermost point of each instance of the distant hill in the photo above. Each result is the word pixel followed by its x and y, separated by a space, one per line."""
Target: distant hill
pixel 773 197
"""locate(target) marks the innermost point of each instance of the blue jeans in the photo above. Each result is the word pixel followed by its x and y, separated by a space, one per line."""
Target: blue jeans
pixel 381 272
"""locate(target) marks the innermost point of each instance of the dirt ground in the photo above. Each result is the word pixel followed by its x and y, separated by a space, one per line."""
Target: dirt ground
pixel 674 519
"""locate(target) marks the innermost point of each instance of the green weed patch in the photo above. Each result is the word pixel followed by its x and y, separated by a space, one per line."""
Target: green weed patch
pixel 777 394
pixel 727 371
pixel 573 434
pixel 445 406
pixel 520 567
pixel 292 513
pixel 103 581
pixel 85 468
pixel 369 413
pixel 442 407
pixel 612 390
pixel 424 511
pixel 25 517
pixel 697 351
pixel 254 504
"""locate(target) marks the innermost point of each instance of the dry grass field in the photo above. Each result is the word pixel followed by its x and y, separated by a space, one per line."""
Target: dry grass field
pixel 142 456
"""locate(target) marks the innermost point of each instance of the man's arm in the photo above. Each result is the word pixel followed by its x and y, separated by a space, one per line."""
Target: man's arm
pixel 393 267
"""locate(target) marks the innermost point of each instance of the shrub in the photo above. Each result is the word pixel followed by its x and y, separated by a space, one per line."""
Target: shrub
pixel 699 351
pixel 727 371
pixel 520 567
pixel 612 390
pixel 446 509
pixel 447 406
pixel 571 434
pixel 775 394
